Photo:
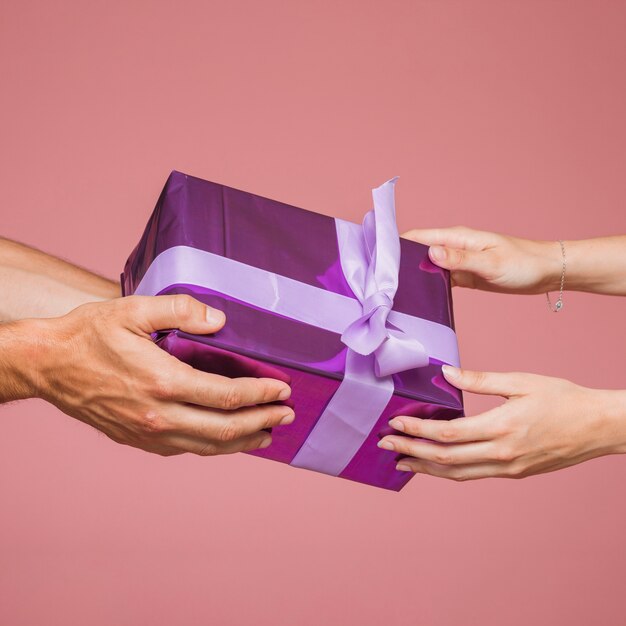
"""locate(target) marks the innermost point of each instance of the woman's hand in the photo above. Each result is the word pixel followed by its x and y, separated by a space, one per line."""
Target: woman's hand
pixel 99 365
pixel 546 424
pixel 492 262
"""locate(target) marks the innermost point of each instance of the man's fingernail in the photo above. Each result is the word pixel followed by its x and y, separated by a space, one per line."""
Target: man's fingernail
pixel 287 419
pixel 401 467
pixel 437 253
pixel 284 394
pixel 386 445
pixel 450 371
pixel 214 316
pixel 266 442
pixel 396 423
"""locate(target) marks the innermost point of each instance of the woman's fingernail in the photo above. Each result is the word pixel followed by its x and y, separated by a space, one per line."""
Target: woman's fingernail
pixel 401 467
pixel 265 443
pixel 450 371
pixel 287 419
pixel 214 316
pixel 284 394
pixel 386 445
pixel 437 253
pixel 396 423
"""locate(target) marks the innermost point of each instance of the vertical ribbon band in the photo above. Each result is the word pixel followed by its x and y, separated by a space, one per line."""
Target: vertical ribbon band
pixel 370 260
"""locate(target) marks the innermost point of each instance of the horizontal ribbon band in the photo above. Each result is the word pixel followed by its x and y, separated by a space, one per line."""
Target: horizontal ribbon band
pixel 282 295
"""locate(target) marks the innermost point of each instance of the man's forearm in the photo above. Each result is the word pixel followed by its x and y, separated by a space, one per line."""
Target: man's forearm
pixel 18 352
pixel 595 265
pixel 36 284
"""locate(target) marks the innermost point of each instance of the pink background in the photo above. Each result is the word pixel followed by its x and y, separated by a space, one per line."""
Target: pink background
pixel 506 116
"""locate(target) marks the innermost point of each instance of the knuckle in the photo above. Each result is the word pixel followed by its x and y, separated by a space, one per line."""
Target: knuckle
pixel 162 387
pixel 166 452
pixel 153 423
pixel 448 434
pixel 457 257
pixel 476 379
pixel 230 431
pixel 129 307
pixel 460 476
pixel 209 449
pixel 444 458
pixel 183 306
pixel 231 397
pixel 504 454
pixel 265 391
pixel 272 417
pixel 514 470
pixel 132 305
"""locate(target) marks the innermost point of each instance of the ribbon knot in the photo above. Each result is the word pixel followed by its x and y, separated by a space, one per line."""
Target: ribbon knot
pixel 372 273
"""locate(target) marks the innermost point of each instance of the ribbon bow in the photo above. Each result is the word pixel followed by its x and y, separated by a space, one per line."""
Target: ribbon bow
pixel 372 273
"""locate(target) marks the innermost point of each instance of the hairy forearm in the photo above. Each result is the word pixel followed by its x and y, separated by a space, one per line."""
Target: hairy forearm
pixel 36 284
pixel 18 350
pixel 593 265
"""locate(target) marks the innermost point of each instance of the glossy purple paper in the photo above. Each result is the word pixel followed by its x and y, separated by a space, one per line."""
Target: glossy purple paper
pixel 301 245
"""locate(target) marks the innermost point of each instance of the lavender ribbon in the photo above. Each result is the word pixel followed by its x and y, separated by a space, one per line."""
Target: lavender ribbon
pixel 380 341
pixel 370 260
pixel 371 268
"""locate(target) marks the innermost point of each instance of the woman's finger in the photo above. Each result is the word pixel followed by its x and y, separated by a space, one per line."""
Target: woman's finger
pixel 456 237
pixel 489 383
pixel 462 429
pixel 459 260
pixel 443 454
pixel 459 472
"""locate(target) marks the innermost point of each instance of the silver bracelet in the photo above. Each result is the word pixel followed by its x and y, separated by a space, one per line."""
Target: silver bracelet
pixel 558 305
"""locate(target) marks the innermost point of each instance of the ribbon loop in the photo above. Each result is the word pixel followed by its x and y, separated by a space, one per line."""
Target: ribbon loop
pixel 375 286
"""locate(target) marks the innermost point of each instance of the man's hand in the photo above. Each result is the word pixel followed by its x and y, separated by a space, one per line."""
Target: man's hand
pixel 546 424
pixel 99 365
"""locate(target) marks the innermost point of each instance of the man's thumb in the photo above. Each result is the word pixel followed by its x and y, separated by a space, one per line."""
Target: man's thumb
pixel 155 313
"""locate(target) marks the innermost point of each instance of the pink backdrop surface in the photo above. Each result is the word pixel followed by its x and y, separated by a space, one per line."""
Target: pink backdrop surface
pixel 507 116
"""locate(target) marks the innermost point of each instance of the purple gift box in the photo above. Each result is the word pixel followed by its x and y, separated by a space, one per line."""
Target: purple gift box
pixel 355 319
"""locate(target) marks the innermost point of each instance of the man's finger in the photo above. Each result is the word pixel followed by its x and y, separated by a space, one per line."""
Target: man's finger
pixel 212 390
pixel 223 426
pixel 488 383
pixel 202 447
pixel 153 313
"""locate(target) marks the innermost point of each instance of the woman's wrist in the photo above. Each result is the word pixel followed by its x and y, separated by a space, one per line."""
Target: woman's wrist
pixel 551 265
pixel 610 406
pixel 580 271
pixel 592 265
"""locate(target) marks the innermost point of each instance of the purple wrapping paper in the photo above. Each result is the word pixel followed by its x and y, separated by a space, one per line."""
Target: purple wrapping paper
pixel 301 245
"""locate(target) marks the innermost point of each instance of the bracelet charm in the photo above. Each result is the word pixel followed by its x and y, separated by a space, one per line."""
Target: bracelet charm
pixel 558 305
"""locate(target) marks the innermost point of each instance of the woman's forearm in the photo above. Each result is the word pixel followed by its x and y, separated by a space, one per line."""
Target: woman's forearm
pixel 36 284
pixel 594 265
